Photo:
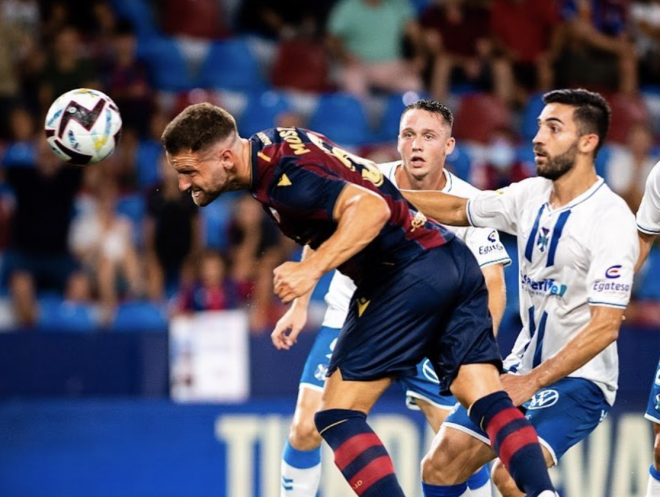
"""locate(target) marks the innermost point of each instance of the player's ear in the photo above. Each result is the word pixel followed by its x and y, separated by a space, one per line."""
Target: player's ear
pixel 588 143
pixel 450 145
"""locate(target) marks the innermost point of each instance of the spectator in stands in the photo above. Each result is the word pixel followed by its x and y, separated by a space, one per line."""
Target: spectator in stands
pixel 458 36
pixel 256 249
pixel 22 148
pixel 193 18
pixel 126 80
pixel 212 289
pixel 284 19
pixel 65 68
pixel 628 166
pixel 38 258
pixel 172 233
pixel 366 37
pixel 645 27
pixel 102 241
pixel 597 49
pixel 527 34
pixel 501 165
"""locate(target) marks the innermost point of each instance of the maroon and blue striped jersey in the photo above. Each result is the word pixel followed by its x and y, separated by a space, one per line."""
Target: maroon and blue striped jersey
pixel 298 175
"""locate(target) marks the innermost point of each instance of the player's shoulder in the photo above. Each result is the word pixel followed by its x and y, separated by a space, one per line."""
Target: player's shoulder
pixel 529 188
pixel 459 187
pixel 653 179
pixel 609 210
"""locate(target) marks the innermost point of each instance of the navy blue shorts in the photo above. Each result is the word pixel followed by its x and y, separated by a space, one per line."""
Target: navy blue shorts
pixel 435 307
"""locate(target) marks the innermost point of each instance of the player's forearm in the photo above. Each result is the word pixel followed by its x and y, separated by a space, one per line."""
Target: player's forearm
pixel 494 276
pixel 597 335
pixel 446 209
pixel 302 303
pixel 360 219
pixel 645 243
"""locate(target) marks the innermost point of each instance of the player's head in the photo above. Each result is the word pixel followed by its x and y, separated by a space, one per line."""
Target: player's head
pixel 425 137
pixel 572 125
pixel 201 144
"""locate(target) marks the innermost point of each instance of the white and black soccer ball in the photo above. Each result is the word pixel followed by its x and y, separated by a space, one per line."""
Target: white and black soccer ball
pixel 83 126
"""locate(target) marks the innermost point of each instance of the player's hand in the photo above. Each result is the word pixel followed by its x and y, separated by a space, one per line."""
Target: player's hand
pixel 519 387
pixel 293 321
pixel 294 279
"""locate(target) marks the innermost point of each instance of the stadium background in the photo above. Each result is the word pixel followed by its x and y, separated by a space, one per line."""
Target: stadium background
pixel 85 403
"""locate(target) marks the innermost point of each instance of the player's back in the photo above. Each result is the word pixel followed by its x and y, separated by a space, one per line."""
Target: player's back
pixel 298 176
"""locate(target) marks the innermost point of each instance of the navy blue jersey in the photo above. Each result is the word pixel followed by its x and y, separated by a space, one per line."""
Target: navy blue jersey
pixel 298 176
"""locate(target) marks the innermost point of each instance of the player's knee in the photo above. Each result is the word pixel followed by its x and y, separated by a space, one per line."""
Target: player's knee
pixel 304 434
pixel 435 469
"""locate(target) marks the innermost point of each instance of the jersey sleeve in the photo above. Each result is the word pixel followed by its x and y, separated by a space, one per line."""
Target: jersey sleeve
pixel 486 246
pixel 496 209
pixel 309 189
pixel 648 215
pixel 614 249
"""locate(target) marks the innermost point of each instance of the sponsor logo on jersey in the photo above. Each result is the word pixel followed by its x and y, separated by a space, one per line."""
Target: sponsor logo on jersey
pixel 487 249
pixel 320 372
pixel 492 236
pixel 543 399
pixel 610 287
pixel 613 272
pixel 547 286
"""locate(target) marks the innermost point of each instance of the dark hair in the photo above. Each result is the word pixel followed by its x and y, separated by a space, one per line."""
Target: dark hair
pixel 197 127
pixel 592 113
pixel 432 106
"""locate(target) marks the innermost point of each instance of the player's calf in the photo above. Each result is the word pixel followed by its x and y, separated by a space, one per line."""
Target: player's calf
pixel 359 453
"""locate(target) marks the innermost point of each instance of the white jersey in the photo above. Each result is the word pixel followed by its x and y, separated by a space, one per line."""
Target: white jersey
pixel 580 255
pixel 648 215
pixel 484 243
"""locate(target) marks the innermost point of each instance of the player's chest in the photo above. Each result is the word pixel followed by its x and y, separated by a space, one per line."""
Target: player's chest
pixel 553 241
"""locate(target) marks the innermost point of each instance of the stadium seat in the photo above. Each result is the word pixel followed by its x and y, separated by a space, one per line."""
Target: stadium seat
pixel 460 162
pixel 302 65
pixel 231 65
pixel 478 115
pixel 388 128
pixel 262 111
pixel 140 15
pixel 168 68
pixel 530 115
pixel 147 158
pixel 627 111
pixel 57 315
pixel 342 118
pixel 649 287
pixel 138 316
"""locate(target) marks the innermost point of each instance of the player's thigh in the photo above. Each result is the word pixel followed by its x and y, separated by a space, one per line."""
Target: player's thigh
pixel 355 395
pixel 423 393
pixel 565 413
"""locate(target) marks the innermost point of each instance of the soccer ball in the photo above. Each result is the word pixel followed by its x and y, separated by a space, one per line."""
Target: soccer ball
pixel 83 126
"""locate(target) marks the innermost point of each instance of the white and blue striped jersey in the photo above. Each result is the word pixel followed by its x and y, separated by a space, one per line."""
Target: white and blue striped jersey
pixel 648 215
pixel 484 243
pixel 580 255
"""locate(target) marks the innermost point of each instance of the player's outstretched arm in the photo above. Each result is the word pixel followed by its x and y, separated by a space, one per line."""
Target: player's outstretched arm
pixel 294 319
pixel 444 208
pixel 645 244
pixel 494 276
pixel 596 336
pixel 360 215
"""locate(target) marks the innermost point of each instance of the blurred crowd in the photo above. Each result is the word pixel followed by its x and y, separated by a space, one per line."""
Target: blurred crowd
pixel 94 247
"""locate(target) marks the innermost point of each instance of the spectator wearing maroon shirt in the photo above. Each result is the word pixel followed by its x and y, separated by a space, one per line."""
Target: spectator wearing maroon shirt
pixel 458 36
pixel 527 34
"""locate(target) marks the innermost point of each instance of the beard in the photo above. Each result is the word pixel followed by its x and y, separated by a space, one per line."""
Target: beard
pixel 555 167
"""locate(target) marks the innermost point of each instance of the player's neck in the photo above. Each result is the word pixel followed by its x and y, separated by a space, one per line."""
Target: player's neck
pixel 572 184
pixel 435 181
pixel 243 177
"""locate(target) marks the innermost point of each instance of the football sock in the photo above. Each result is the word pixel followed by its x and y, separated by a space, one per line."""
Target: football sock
pixel 653 487
pixel 359 453
pixel 460 490
pixel 514 440
pixel 301 472
pixel 479 483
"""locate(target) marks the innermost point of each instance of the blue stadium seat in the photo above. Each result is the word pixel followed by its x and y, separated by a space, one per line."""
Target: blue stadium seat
pixel 138 316
pixel 168 68
pixel 56 314
pixel 133 207
pixel 342 118
pixel 531 112
pixel 262 111
pixel 460 162
pixel 147 159
pixel 215 221
pixel 649 287
pixel 231 65
pixel 140 15
pixel 388 129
